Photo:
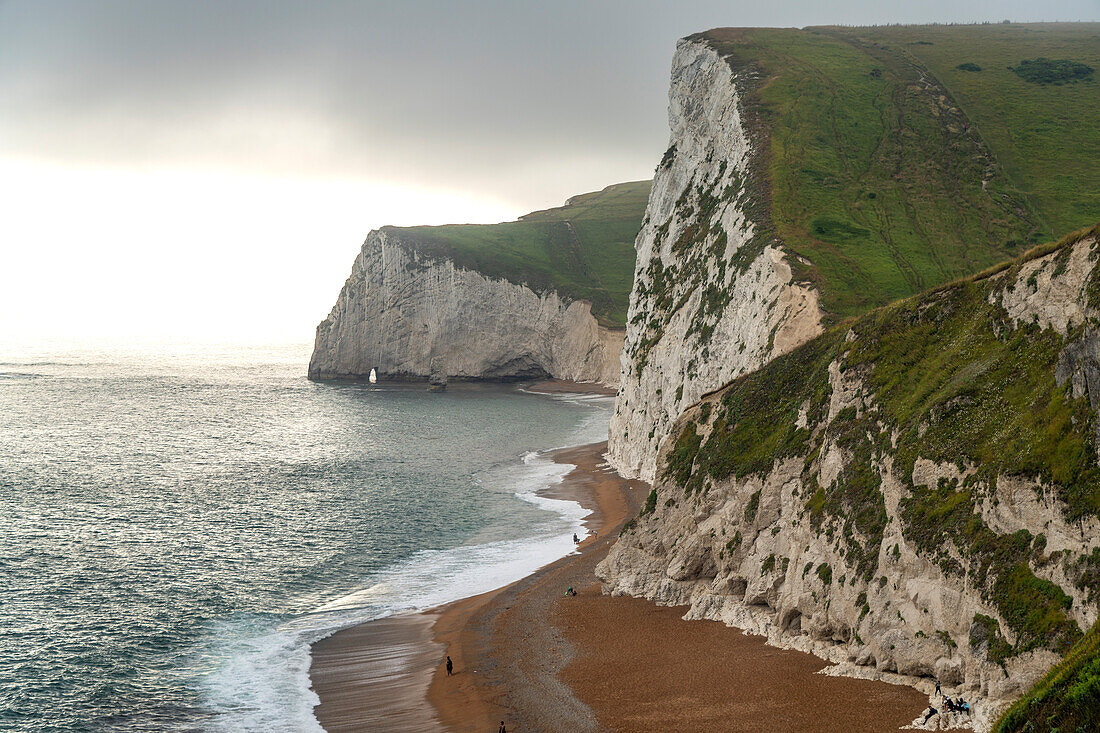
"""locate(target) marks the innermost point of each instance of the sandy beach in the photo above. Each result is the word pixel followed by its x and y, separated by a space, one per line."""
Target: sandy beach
pixel 530 656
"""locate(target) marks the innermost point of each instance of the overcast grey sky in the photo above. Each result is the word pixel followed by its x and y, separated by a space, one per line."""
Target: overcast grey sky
pixel 205 169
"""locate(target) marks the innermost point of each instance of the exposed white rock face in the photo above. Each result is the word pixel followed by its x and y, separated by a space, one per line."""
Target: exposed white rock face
pixel 1050 292
pixel 713 298
pixel 411 317
pixel 758 552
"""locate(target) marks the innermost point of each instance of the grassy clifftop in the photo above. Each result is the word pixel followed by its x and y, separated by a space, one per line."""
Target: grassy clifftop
pixel 583 250
pixel 884 181
pixel 1046 136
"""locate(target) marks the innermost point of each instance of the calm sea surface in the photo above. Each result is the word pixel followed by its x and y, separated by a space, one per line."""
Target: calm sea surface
pixel 176 527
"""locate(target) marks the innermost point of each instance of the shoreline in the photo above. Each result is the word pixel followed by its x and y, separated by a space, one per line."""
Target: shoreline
pixel 500 639
pixel 526 654
pixel 388 674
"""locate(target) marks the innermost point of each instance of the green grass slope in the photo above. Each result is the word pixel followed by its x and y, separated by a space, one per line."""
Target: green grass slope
pixel 583 250
pixel 1045 136
pixel 881 180
pixel 1066 699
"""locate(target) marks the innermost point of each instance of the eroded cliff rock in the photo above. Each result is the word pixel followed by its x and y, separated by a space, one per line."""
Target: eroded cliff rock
pixel 713 295
pixel 914 497
pixel 409 315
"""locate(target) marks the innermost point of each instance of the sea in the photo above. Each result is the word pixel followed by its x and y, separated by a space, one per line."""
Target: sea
pixel 179 524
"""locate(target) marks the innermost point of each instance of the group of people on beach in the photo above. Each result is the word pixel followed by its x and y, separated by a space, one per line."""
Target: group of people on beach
pixel 958 705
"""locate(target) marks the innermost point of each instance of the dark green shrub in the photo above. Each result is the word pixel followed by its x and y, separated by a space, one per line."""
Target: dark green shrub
pixel 752 507
pixel 1051 71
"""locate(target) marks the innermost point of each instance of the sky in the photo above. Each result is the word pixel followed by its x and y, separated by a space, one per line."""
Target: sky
pixel 205 172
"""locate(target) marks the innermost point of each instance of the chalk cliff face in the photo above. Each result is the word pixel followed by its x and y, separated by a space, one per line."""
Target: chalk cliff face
pixel 713 293
pixel 412 316
pixel 915 497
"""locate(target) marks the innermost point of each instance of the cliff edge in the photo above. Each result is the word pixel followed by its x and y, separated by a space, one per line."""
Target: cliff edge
pixel 714 295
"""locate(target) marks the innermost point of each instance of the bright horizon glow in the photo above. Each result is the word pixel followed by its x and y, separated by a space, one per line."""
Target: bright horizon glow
pixel 200 256
pixel 201 172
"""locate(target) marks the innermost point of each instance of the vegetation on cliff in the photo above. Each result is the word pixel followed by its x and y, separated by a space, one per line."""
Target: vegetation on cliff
pixel 881 162
pixel 947 377
pixel 881 180
pixel 583 250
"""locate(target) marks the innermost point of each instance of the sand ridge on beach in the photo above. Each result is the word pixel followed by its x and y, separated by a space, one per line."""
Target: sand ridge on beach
pixel 530 656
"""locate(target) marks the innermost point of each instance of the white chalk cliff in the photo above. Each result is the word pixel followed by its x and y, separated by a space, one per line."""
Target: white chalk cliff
pixel 410 316
pixel 713 293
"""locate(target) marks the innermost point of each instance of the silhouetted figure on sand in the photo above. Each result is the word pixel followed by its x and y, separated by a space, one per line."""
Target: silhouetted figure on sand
pixel 575 540
pixel 502 729
pixel 450 666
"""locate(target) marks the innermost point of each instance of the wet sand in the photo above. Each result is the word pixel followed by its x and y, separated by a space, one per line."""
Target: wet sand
pixel 540 661
pixel 375 676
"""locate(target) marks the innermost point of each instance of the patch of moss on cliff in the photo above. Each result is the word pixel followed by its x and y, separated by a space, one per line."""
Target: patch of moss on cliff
pixel 854 501
pixel 963 385
pixel 752 506
pixel 1088 573
pixel 681 462
pixel 985 633
pixel 756 421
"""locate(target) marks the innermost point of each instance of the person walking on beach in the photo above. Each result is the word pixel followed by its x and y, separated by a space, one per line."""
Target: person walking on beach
pixel 502 729
pixel 450 666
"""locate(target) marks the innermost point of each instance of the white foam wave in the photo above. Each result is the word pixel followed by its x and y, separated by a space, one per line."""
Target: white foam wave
pixel 263 683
